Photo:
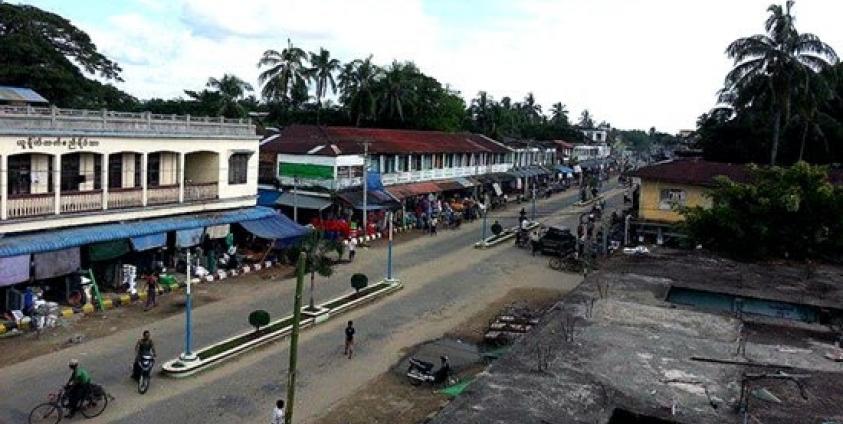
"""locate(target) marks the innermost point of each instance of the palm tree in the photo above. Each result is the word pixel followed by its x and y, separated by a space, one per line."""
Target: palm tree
pixel 768 66
pixel 531 110
pixel 231 90
pixel 285 71
pixel 356 82
pixel 321 71
pixel 586 120
pixel 813 93
pixel 397 88
pixel 316 249
pixel 559 114
pixel 482 114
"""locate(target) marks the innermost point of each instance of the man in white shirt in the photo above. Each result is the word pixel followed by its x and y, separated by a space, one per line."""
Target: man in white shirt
pixel 278 413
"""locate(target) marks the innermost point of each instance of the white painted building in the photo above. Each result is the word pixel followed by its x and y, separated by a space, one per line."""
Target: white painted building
pixel 65 168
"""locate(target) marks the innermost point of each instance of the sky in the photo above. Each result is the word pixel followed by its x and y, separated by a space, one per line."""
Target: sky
pixel 632 63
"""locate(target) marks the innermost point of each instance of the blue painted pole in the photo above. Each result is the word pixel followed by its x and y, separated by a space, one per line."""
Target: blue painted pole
pixel 389 252
pixel 188 354
pixel 485 213
pixel 187 335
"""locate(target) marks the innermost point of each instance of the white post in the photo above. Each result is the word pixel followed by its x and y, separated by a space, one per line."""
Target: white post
pixel 295 200
pixel 4 186
pixel 181 177
pixel 57 183
pixel 144 180
pixel 104 179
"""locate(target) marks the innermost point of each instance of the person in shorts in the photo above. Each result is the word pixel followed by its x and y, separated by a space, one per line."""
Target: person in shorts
pixel 349 339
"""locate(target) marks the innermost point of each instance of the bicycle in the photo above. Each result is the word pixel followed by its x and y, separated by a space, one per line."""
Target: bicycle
pixel 52 411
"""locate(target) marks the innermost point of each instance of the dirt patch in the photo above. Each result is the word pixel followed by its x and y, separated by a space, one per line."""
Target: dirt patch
pixel 390 398
pixel 80 328
pixel 535 299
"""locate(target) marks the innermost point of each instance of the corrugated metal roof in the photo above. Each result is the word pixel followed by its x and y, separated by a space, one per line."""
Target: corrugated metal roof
pixel 53 240
pixel 19 94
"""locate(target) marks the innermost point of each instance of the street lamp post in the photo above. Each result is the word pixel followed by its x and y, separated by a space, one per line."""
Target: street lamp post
pixel 534 203
pixel 389 251
pixel 187 355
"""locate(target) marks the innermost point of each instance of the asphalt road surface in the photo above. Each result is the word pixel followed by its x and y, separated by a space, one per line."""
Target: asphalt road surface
pixel 446 280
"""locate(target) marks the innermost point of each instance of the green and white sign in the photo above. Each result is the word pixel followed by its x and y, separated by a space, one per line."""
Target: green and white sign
pixel 305 170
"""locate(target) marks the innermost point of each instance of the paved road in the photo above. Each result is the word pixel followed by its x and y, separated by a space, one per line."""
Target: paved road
pixel 446 281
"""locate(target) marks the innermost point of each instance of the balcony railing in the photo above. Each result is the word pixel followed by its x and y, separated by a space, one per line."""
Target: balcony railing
pixel 80 201
pixel 35 118
pixel 28 205
pixel 200 191
pixel 162 194
pixel 121 198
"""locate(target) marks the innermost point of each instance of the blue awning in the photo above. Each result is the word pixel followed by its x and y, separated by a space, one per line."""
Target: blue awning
pixel 268 197
pixel 189 237
pixel 148 242
pixel 564 169
pixel 47 241
pixel 276 227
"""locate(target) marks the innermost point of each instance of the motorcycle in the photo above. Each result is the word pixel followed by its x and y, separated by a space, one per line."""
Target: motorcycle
pixel 143 369
pixel 421 371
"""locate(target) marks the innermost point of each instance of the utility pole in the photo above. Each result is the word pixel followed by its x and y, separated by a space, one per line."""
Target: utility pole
pixel 365 189
pixel 187 355
pixel 389 250
pixel 485 214
pixel 295 199
pixel 294 340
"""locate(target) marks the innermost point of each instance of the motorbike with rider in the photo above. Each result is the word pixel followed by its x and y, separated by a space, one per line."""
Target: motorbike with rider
pixel 144 360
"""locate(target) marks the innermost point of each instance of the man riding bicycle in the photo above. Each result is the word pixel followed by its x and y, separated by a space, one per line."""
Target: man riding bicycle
pixel 78 387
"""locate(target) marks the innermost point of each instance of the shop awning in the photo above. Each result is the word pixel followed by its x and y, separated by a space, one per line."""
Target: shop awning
pixel 189 237
pixel 375 199
pixel 466 182
pixel 449 185
pixel 275 227
pixel 403 191
pixel 148 242
pixel 56 263
pixel 14 269
pixel 48 241
pixel 303 201
pixel 268 197
pixel 564 169
pixel 502 177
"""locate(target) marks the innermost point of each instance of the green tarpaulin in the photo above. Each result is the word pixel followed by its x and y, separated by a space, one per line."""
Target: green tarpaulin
pixel 108 250
pixel 456 389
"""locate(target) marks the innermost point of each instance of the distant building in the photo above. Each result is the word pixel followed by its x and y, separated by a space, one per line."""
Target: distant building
pixel 589 152
pixel 18 96
pixel 596 135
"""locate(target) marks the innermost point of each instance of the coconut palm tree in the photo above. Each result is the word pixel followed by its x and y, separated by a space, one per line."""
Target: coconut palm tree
pixel 559 114
pixel 285 71
pixel 809 96
pixel 531 110
pixel 768 66
pixel 586 120
pixel 398 93
pixel 357 81
pixel 321 71
pixel 231 90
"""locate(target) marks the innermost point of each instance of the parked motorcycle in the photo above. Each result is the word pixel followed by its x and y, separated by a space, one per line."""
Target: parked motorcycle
pixel 421 371
pixel 143 367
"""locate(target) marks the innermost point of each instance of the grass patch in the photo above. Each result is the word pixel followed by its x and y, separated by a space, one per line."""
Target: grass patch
pixel 245 338
pixel 354 296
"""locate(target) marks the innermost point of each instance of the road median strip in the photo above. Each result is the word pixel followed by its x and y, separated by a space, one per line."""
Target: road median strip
pixel 216 353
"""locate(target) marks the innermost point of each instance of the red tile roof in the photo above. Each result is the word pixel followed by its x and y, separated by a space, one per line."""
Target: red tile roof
pixel 334 141
pixel 692 172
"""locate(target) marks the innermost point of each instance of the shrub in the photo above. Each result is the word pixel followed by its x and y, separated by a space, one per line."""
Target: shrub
pixel 258 319
pixel 359 282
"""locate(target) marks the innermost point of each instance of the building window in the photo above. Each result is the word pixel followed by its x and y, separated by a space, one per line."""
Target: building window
pixel 153 170
pixel 238 168
pixel 417 163
pixel 389 164
pixel 671 198
pixel 115 170
pixel 375 163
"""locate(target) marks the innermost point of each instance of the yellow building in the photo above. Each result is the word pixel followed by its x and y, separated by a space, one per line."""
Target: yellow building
pixel 665 188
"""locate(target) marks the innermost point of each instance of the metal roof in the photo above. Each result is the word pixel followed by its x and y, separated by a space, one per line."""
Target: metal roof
pixel 48 241
pixel 19 94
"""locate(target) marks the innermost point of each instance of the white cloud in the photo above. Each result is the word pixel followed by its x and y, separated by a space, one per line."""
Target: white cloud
pixel 634 63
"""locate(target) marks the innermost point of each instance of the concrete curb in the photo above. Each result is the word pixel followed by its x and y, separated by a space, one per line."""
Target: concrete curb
pixel 508 234
pixel 177 368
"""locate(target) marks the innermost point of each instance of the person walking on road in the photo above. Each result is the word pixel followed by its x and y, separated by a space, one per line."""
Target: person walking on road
pixel 151 290
pixel 278 413
pixel 352 249
pixel 433 223
pixel 349 339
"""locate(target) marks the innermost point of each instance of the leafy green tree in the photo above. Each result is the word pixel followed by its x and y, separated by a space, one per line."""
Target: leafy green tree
pixel 284 74
pixel 225 97
pixel 791 212
pixel 317 250
pixel 357 87
pixel 45 52
pixel 768 66
pixel 559 115
pixel 396 90
pixel 586 120
pixel 321 71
